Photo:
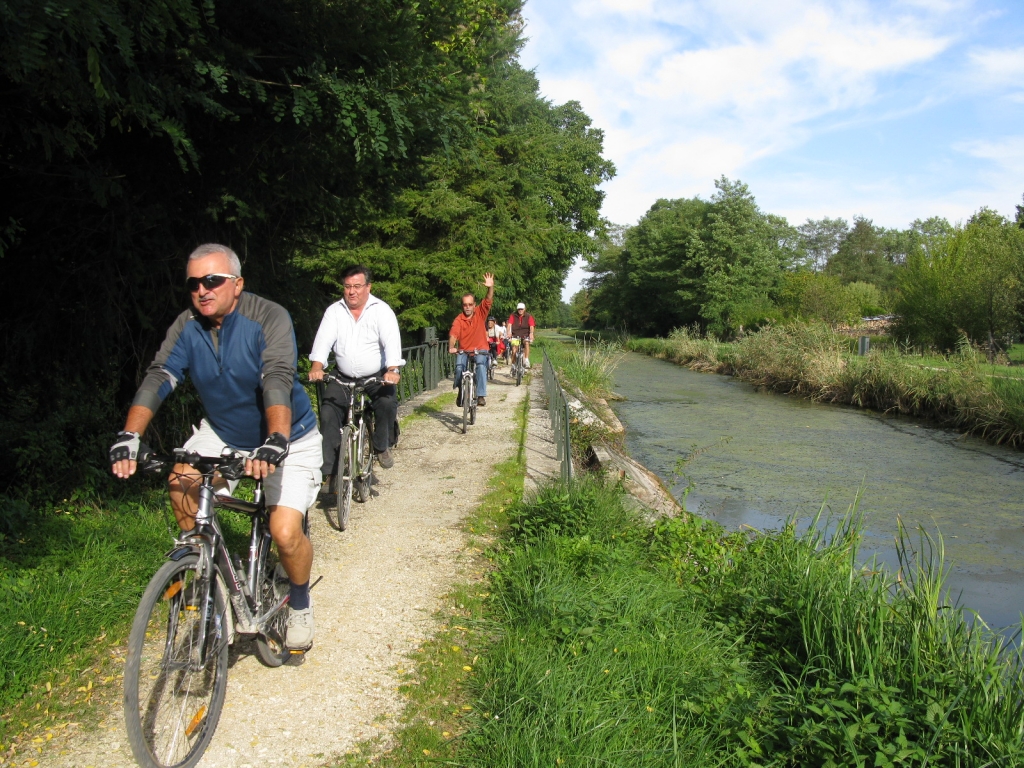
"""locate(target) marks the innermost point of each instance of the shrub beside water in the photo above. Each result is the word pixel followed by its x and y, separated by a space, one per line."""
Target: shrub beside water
pixel 682 644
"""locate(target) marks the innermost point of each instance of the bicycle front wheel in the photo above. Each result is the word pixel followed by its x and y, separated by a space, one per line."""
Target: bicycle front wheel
pixel 174 684
pixel 519 370
pixel 467 392
pixel 346 475
pixel 364 452
pixel 341 501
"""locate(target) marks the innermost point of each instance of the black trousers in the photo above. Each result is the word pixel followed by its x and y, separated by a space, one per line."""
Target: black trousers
pixel 334 416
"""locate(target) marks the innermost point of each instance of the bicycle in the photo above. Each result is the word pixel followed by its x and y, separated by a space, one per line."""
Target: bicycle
pixel 518 367
pixel 492 362
pixel 175 675
pixel 353 469
pixel 467 390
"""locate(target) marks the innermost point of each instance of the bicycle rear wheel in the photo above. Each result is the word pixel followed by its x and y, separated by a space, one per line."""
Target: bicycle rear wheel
pixel 273 586
pixel 174 686
pixel 364 463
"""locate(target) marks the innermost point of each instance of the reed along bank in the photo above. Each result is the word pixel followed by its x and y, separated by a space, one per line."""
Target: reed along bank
pixel 616 642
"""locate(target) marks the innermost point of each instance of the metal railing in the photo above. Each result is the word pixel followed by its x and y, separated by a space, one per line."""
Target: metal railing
pixel 425 367
pixel 558 410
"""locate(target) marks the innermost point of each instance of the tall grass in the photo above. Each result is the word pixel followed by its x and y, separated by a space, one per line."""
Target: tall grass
pixel 618 644
pixel 588 365
pixel 814 361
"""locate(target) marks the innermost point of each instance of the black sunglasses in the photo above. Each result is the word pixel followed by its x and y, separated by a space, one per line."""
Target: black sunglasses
pixel 209 282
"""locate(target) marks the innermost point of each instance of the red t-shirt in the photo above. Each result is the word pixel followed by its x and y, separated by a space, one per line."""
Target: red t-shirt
pixel 471 332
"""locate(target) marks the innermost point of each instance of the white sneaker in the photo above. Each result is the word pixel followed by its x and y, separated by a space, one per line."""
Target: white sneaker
pixel 526 362
pixel 300 628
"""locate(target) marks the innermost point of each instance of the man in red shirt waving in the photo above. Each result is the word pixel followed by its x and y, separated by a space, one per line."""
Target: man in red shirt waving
pixel 468 336
pixel 520 326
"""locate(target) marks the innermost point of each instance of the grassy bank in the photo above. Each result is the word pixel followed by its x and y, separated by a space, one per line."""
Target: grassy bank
pixel 815 362
pixel 70 579
pixel 71 575
pixel 620 644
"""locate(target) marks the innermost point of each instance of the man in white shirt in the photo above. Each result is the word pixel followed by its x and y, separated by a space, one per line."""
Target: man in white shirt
pixel 362 331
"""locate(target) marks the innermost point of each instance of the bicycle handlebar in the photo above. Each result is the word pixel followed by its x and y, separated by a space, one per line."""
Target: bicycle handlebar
pixel 230 467
pixel 332 376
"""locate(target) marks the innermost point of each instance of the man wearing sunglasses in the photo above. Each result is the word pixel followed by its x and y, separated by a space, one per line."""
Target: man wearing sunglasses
pixel 362 332
pixel 239 350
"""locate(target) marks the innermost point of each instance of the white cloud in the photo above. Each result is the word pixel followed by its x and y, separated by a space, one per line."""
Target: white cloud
pixel 999 66
pixel 689 90
pixel 1007 153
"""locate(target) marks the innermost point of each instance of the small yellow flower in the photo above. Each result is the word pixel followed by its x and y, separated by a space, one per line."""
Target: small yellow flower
pixel 426 751
pixel 446 734
pixel 606 671
pixel 650 709
pixel 468 669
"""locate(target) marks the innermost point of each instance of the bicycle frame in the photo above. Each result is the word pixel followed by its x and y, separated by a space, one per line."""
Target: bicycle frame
pixel 206 540
pixel 467 385
pixel 357 391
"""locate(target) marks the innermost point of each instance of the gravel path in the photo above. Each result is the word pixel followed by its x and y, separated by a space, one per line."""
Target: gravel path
pixel 382 580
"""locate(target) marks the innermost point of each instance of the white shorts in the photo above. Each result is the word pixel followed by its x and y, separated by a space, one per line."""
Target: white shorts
pixel 294 484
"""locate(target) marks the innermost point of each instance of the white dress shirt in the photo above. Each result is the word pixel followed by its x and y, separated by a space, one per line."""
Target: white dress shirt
pixel 361 347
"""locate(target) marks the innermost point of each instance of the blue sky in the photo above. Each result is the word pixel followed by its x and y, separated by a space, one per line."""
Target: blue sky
pixel 893 111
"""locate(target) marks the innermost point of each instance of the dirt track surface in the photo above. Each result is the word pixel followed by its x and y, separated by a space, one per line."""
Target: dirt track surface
pixel 382 580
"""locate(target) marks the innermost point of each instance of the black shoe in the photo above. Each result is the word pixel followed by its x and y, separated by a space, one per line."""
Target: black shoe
pixel 458 399
pixel 481 401
pixel 385 460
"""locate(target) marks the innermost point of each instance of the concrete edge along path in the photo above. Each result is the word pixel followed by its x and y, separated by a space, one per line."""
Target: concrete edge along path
pixel 383 580
pixel 542 464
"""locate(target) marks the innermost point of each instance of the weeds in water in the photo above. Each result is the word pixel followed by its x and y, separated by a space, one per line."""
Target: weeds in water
pixel 679 470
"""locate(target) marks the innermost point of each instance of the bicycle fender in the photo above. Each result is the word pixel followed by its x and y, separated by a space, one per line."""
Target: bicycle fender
pixel 180 550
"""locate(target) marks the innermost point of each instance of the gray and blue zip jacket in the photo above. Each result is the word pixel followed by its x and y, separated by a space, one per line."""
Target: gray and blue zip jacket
pixel 240 369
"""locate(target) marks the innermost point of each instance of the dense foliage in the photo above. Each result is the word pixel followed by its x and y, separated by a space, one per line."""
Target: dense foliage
pixel 971 282
pixel 306 136
pixel 715 262
pixel 688 262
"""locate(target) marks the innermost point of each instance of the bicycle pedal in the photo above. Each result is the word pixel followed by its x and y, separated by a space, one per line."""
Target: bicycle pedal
pixel 296 658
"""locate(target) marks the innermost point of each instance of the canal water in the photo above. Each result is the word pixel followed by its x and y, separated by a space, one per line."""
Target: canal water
pixel 756 458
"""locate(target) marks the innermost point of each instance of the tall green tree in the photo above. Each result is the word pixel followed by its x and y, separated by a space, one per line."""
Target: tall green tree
pixel 820 239
pixel 715 262
pixel 968 282
pixel 518 196
pixel 862 255
pixel 131 131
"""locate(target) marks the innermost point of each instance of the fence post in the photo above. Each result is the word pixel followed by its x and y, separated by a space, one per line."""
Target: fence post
pixel 431 375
